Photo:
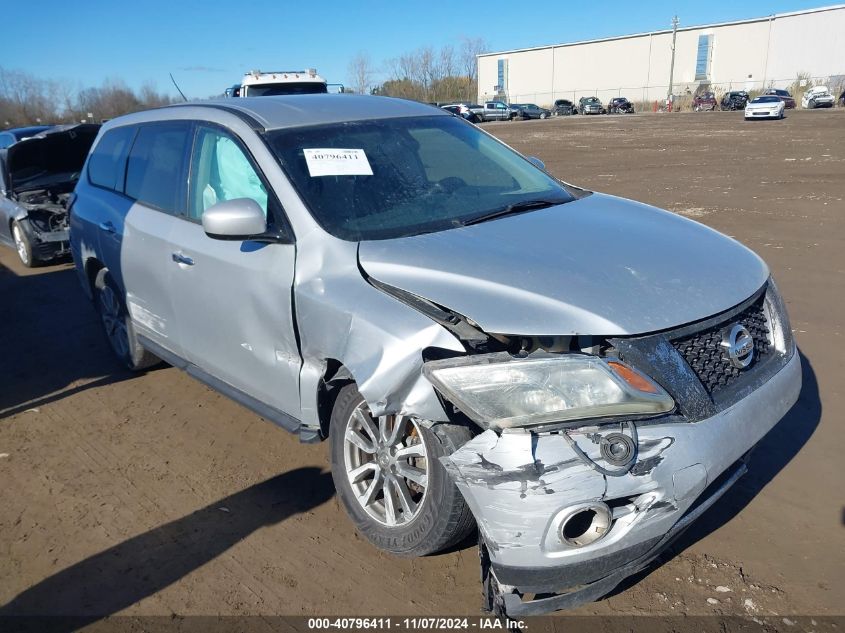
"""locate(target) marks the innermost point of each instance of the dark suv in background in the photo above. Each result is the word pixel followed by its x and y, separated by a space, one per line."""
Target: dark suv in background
pixel 563 107
pixel 734 100
pixel 620 105
pixel 590 105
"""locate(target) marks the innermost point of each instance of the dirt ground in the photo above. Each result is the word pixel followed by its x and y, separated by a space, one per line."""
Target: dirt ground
pixel 150 494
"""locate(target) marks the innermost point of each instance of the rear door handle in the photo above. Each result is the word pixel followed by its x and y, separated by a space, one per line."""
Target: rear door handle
pixel 107 226
pixel 179 258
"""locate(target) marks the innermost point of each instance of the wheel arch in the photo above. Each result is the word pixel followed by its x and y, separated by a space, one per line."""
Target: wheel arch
pixel 335 376
pixel 93 268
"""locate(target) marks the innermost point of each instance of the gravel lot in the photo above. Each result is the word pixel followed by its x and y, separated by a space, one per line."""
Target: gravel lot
pixel 151 494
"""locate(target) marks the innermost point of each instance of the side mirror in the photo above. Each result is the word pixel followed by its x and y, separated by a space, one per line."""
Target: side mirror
pixel 537 162
pixel 237 219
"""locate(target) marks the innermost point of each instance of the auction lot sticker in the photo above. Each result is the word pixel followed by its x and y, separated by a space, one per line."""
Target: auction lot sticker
pixel 337 162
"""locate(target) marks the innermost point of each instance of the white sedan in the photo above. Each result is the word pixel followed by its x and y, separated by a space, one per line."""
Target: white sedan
pixel 765 107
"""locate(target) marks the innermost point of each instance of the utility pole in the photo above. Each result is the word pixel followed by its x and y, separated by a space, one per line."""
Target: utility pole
pixel 675 23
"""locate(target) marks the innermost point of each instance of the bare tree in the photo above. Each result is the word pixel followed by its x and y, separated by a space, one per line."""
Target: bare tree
pixel 471 47
pixel 361 73
pixel 26 99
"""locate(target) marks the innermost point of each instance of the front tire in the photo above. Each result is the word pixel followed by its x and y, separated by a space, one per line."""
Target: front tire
pixel 117 325
pixel 23 246
pixel 388 476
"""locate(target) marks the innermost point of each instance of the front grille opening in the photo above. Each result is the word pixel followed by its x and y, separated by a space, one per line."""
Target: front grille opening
pixel 704 352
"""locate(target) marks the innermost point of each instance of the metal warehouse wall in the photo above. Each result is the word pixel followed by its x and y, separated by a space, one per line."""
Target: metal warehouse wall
pixel 750 55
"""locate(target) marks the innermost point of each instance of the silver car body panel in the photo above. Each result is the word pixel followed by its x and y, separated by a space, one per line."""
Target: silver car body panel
pixel 251 343
pixel 381 346
pixel 578 268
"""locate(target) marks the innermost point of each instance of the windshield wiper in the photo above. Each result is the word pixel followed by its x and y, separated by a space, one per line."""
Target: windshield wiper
pixel 516 207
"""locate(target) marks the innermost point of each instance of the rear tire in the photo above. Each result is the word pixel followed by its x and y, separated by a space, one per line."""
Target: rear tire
pixel 117 325
pixel 23 246
pixel 388 475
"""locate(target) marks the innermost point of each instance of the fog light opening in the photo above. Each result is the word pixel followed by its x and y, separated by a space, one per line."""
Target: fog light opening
pixel 586 525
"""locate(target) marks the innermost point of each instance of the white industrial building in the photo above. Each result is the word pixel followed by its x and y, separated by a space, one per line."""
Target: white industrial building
pixel 751 54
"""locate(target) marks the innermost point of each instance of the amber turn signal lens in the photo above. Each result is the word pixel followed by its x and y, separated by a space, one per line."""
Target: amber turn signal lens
pixel 633 378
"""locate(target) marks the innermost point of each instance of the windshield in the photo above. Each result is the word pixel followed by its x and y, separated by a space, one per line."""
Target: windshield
pixel 287 88
pixel 388 178
pixel 766 100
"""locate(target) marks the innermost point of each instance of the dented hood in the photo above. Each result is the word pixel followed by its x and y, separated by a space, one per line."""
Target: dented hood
pixel 600 265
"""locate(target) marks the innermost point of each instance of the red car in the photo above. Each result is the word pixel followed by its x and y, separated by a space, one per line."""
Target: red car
pixel 783 95
pixel 704 101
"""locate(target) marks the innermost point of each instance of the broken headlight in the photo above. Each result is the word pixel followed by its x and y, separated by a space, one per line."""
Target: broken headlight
pixel 502 391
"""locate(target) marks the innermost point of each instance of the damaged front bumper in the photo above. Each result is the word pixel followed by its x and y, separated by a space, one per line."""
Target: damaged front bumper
pixel 524 487
pixel 47 242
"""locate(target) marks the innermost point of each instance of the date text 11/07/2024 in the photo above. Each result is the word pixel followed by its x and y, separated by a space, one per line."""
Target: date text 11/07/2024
pixel 415 624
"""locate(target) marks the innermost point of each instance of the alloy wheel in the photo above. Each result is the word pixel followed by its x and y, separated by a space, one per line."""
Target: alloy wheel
pixel 386 464
pixel 20 244
pixel 114 322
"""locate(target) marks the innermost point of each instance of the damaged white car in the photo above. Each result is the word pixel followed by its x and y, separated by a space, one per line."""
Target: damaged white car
pixel 37 177
pixel 579 375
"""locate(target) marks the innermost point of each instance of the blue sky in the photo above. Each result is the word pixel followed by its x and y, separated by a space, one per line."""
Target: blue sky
pixel 208 44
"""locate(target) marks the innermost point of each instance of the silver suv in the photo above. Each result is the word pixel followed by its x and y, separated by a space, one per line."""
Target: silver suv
pixel 579 375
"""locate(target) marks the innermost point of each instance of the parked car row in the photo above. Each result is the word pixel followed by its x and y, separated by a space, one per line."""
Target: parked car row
pixel 497 111
pixel 501 111
pixel 592 105
pixel 815 97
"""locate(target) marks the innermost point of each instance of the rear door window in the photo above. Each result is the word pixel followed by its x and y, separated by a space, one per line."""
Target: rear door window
pixel 156 172
pixel 107 165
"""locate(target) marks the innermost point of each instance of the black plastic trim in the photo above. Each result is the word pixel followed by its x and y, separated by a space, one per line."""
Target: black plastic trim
pixel 280 418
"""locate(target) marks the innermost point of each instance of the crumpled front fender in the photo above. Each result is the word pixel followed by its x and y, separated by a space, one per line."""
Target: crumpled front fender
pixel 378 339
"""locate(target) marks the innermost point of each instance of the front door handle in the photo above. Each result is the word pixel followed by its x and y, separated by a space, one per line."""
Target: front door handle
pixel 179 258
pixel 108 227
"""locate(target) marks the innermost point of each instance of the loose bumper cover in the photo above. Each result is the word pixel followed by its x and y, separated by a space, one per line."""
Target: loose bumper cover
pixel 521 486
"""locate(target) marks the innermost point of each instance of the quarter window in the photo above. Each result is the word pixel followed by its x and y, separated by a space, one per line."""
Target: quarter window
pixel 107 165
pixel 221 171
pixel 155 174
